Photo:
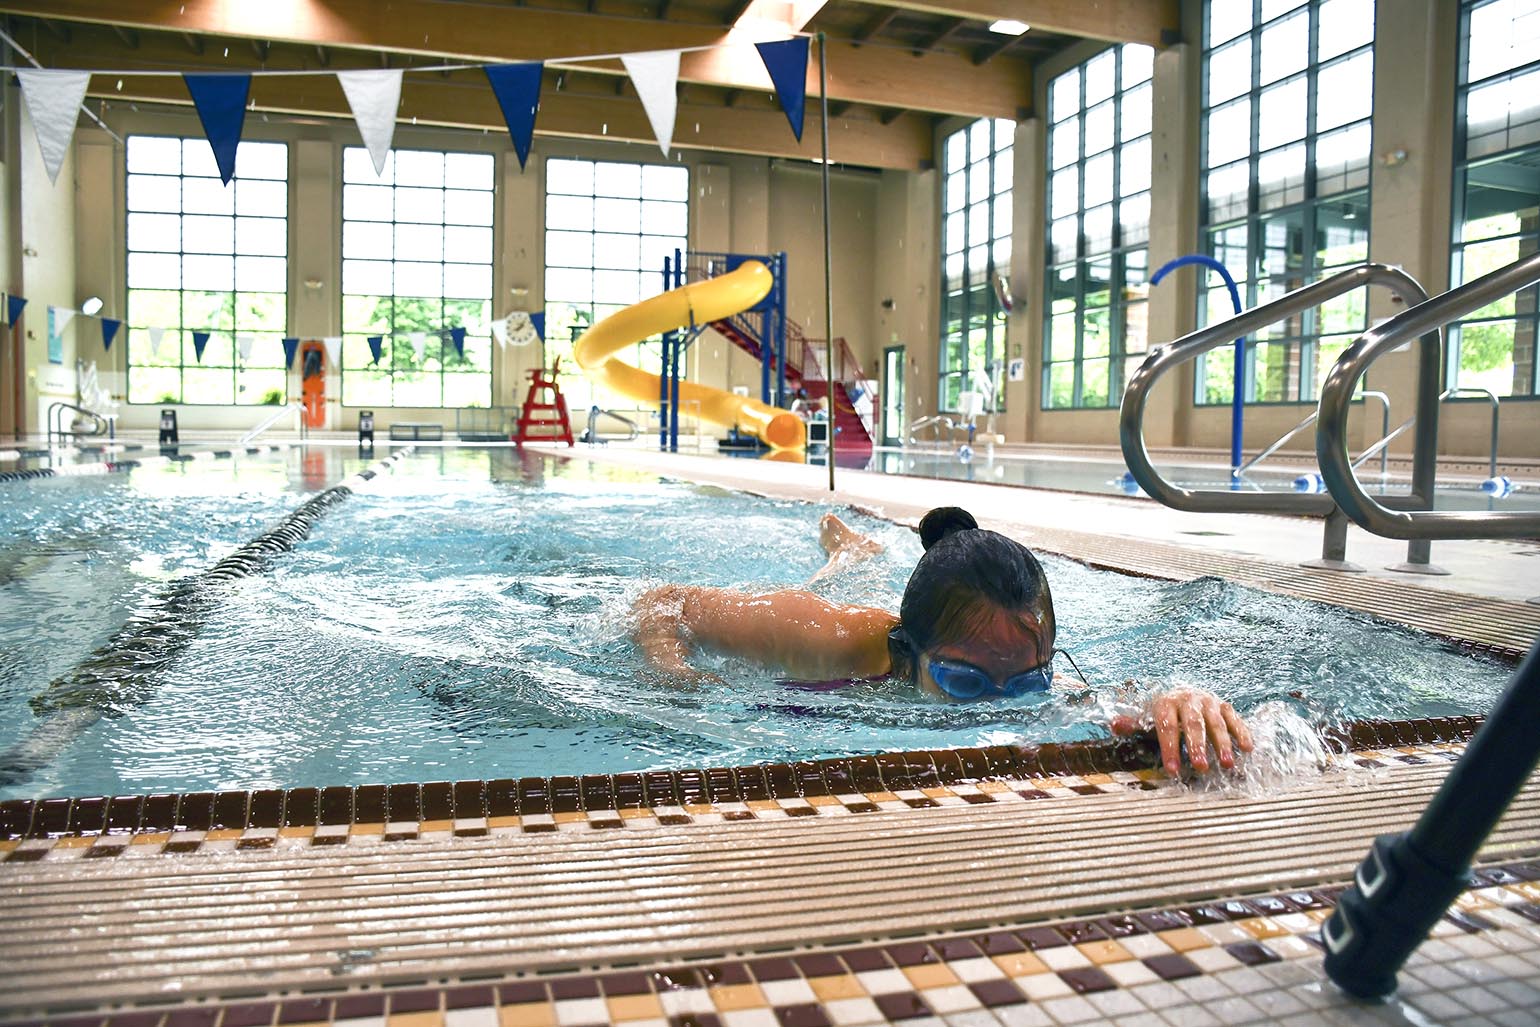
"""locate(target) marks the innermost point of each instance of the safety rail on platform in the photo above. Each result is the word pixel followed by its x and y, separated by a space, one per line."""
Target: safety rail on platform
pixel 1380 447
pixel 295 408
pixel 99 425
pixel 1426 319
pixel 486 424
pixel 1163 359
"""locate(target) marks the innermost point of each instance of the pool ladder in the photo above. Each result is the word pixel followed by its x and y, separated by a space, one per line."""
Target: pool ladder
pixel 1412 517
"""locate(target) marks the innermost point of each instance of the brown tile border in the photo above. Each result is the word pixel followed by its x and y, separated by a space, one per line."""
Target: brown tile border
pixel 857 784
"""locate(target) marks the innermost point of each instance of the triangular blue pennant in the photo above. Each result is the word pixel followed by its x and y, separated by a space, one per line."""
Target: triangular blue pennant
pixel 517 88
pixel 109 332
pixel 290 347
pixel 200 340
pixel 376 347
pixel 457 336
pixel 786 61
pixel 13 305
pixel 538 320
pixel 221 103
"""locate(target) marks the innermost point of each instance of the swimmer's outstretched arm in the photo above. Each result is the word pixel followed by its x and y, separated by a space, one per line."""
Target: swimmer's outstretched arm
pixel 792 631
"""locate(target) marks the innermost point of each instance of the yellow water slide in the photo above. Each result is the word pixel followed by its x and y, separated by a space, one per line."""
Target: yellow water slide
pixel 697 303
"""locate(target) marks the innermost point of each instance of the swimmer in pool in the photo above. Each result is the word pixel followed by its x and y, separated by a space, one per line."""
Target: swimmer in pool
pixel 976 623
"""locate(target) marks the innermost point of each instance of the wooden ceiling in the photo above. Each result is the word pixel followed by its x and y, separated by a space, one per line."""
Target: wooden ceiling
pixel 895 66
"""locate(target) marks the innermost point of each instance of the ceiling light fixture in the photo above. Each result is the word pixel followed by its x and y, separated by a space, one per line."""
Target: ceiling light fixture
pixel 1009 27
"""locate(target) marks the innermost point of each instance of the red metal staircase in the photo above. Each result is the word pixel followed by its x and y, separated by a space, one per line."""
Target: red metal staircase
pixel 854 430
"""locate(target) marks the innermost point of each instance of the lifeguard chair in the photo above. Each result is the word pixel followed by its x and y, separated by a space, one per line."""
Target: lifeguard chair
pixel 545 408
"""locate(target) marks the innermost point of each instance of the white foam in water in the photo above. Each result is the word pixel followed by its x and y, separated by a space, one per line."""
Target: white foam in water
pixel 443 625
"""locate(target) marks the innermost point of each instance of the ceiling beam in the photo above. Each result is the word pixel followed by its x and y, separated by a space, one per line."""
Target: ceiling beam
pixel 875 26
pixel 992 50
pixel 947 32
pixel 586 109
pixel 432 102
pixel 1117 21
pixel 453 30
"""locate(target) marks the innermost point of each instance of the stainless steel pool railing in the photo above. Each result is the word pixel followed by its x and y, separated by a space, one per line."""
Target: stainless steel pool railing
pixel 935 421
pixel 1379 447
pixel 296 408
pixel 56 429
pixel 1163 359
pixel 1425 319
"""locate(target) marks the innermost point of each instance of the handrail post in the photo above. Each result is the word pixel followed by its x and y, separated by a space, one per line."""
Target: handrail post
pixel 1425 319
pixel 1238 396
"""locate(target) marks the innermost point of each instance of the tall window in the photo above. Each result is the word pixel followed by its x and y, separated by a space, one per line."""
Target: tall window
pixel 976 253
pixel 1099 227
pixel 416 264
pixel 1497 190
pixel 206 257
pixel 608 228
pixel 1288 94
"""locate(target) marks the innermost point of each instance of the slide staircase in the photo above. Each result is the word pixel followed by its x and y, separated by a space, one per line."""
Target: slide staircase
pixel 855 398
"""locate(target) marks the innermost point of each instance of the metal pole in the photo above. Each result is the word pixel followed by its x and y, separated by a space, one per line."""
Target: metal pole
pixel 828 251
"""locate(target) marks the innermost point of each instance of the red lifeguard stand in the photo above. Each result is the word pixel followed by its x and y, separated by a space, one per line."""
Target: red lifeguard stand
pixel 542 402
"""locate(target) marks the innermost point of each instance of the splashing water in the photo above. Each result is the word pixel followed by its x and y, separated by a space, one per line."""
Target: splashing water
pixel 469 616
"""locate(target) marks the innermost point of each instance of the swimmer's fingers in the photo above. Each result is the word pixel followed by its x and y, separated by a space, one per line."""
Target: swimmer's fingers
pixel 1238 729
pixel 1218 730
pixel 1168 733
pixel 1194 726
pixel 1124 725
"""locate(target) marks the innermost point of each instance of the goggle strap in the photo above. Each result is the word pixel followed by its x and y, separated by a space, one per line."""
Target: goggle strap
pixel 1065 653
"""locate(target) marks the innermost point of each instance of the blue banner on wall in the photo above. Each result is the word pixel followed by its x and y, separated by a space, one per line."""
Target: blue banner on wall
pixel 376 347
pixel 110 328
pixel 13 305
pixel 200 340
pixel 290 347
pixel 457 336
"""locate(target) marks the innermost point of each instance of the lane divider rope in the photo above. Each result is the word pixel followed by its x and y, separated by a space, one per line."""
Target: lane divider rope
pixel 124 669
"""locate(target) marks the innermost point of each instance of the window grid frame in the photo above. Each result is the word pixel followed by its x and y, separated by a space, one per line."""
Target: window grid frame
pixel 1255 216
pixel 1460 182
pixel 442 334
pixel 130 325
pixel 995 342
pixel 1116 255
pixel 571 376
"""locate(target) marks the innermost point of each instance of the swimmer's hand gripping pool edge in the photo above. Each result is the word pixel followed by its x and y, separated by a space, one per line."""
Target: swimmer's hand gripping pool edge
pixel 697 303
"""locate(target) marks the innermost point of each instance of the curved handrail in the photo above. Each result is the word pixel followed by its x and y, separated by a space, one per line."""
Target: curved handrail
pixel 928 422
pixel 56 422
pixel 1425 320
pixel 277 415
pixel 1163 359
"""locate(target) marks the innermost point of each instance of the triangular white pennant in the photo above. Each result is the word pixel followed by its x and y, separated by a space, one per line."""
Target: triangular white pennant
pixel 53 100
pixel 499 328
pixel 374 96
pixel 157 336
pixel 333 344
pixel 419 343
pixel 656 77
pixel 59 318
pixel 243 344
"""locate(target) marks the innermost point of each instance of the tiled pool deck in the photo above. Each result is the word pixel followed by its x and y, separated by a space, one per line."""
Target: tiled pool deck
pixel 973 888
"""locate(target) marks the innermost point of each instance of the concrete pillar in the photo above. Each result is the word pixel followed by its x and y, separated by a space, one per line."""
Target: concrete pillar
pixel 1174 216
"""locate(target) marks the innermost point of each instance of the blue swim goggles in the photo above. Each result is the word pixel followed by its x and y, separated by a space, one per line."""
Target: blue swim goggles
pixel 965 682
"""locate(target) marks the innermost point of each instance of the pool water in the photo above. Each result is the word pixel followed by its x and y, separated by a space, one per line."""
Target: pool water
pixel 467 615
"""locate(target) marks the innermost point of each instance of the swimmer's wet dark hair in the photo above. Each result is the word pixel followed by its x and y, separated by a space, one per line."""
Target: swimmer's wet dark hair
pixel 965 574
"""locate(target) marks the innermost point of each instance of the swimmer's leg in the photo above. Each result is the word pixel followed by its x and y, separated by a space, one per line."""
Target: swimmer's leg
pixel 844 545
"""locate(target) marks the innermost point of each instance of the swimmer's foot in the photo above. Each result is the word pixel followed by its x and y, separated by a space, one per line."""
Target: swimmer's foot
pixel 845 546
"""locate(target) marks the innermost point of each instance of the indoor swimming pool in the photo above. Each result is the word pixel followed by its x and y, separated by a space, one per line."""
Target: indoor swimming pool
pixel 466 614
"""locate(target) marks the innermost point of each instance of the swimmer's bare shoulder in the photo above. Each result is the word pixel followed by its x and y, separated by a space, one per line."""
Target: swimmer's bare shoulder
pixel 795 631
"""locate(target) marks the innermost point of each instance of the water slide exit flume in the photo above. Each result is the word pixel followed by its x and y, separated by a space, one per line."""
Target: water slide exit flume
pixel 697 303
